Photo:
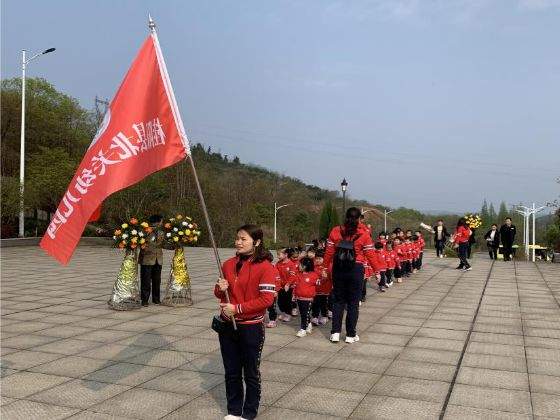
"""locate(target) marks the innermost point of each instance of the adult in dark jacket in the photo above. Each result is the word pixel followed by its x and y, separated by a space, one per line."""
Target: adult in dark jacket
pixel 440 236
pixel 492 238
pixel 507 236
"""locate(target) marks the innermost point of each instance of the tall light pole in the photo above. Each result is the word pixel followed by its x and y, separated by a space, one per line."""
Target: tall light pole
pixel 385 223
pixel 525 212
pixel 535 210
pixel 343 185
pixel 276 208
pixel 24 64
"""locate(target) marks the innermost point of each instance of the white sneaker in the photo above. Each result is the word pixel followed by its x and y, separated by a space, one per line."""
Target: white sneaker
pixel 329 314
pixel 467 269
pixel 301 333
pixel 294 312
pixel 441 256
pixel 354 339
pixel 231 417
pixel 315 321
pixel 360 303
pixel 335 338
pixel 323 320
pixel 309 328
pixel 287 318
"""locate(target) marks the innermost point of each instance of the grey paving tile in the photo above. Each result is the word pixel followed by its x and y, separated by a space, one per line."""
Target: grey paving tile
pixel 194 345
pixel 497 349
pixel 457 412
pixel 285 372
pixel 31 410
pixel 91 415
pixel 202 408
pixel 411 388
pixel 26 341
pixel 437 343
pixel 114 351
pixel 71 366
pixel 79 393
pixel 510 339
pixel 185 381
pixel 125 374
pixel 493 378
pixel 297 356
pixel 430 355
pixel 341 379
pixel 383 407
pixel 544 367
pixel 142 403
pixel 543 354
pixel 25 359
pixel 274 413
pixel 68 346
pixel 421 370
pixel 328 401
pixel 547 405
pixel 442 333
pixel 491 398
pixel 23 384
pixel 545 384
pixel 358 363
pixel 490 361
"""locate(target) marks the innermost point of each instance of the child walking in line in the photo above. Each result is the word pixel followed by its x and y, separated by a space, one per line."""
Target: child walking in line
pixel 381 266
pixel 306 285
pixel 319 308
pixel 296 256
pixel 272 313
pixel 287 269
pixel 415 248
pixel 421 245
pixel 389 255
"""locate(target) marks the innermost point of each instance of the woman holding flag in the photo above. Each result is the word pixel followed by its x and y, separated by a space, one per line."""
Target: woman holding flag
pixel 250 282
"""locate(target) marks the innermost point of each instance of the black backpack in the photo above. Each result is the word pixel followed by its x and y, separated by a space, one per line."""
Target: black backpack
pixel 345 254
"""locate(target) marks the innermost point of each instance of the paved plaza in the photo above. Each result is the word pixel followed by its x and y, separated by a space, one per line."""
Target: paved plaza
pixel 444 344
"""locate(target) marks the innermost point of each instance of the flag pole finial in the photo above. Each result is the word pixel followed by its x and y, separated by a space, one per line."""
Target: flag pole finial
pixel 151 23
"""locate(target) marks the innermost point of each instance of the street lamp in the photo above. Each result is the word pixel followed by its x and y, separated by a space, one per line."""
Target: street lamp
pixel 276 208
pixel 385 221
pixel 343 185
pixel 24 64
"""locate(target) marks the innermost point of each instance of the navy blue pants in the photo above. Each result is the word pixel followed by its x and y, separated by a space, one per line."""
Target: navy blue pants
pixel 347 291
pixel 241 354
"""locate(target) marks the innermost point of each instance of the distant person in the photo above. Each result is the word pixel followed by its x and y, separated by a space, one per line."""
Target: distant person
pixel 507 236
pixel 472 242
pixel 348 248
pixel 440 236
pixel 151 260
pixel 461 241
pixel 493 241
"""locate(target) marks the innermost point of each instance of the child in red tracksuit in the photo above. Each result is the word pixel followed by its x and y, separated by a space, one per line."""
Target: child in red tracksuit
pixel 288 270
pixel 407 257
pixel 422 245
pixel 415 247
pixel 395 254
pixel 319 308
pixel 390 259
pixel 304 292
pixel 381 266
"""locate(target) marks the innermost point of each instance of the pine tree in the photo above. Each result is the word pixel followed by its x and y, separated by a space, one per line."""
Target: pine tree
pixel 503 213
pixel 492 213
pixel 328 219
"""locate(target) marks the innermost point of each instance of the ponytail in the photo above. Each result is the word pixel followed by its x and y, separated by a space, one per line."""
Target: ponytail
pixel 351 221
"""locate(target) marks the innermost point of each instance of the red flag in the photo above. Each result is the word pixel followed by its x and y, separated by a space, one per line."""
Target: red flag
pixel 141 133
pixel 95 216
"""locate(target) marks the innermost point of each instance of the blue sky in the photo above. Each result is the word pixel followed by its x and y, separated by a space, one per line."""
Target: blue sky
pixel 425 104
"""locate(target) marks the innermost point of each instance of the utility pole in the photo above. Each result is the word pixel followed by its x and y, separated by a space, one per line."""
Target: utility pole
pixel 276 208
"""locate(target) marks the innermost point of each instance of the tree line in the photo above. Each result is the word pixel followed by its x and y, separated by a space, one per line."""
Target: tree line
pixel 59 130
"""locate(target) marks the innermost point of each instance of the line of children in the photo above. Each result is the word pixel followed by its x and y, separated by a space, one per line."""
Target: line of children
pixel 307 286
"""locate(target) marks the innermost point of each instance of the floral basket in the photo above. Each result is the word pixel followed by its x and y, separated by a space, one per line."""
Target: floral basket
pixel 473 220
pixel 129 237
pixel 179 231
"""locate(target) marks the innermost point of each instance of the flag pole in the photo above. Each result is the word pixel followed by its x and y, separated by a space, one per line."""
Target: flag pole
pixel 179 122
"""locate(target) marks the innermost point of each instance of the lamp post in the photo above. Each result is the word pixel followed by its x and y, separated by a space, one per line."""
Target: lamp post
pixel 343 185
pixel 534 211
pixel 276 208
pixel 385 223
pixel 24 63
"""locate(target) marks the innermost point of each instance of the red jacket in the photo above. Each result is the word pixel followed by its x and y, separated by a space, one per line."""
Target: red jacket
pixel 287 270
pixel 381 262
pixel 422 243
pixel 392 259
pixel 306 285
pixel 252 290
pixel 462 235
pixel 363 246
